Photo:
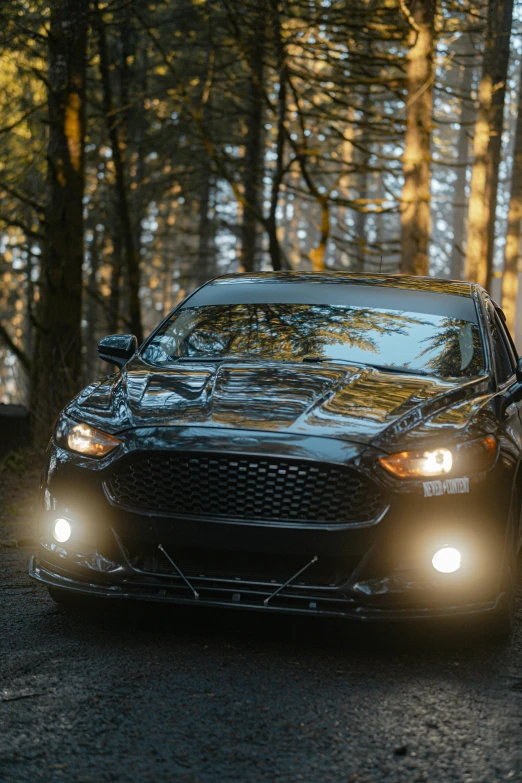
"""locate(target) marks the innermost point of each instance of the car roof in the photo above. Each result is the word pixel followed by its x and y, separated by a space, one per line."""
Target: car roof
pixel 397 292
pixel 412 282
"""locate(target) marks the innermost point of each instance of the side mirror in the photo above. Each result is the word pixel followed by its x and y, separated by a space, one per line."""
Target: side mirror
pixel 117 348
pixel 519 370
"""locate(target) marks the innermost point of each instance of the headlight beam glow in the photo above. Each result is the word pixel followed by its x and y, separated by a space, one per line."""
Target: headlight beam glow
pixel 62 530
pixel 438 461
pixel 83 439
pixel 447 560
pixel 419 464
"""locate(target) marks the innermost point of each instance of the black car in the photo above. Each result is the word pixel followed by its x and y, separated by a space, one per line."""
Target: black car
pixel 326 444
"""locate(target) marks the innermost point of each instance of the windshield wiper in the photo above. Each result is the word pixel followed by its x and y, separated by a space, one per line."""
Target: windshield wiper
pixel 401 370
pixel 214 358
pixel 321 359
pixel 306 359
pixel 382 367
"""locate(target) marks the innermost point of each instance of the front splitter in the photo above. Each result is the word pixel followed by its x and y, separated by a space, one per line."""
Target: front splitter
pixel 282 605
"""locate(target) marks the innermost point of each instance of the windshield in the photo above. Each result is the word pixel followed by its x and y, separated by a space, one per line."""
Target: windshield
pixel 435 344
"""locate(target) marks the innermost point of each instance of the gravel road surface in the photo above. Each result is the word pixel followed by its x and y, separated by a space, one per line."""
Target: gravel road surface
pixel 203 696
pixel 225 697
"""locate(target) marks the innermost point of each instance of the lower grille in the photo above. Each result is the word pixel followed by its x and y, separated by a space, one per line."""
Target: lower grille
pixel 223 486
pixel 244 566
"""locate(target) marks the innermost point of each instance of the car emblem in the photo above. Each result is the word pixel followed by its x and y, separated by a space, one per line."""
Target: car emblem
pixel 245 440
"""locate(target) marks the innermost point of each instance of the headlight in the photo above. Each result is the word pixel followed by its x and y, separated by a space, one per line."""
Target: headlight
pixel 84 439
pixel 471 457
pixel 413 464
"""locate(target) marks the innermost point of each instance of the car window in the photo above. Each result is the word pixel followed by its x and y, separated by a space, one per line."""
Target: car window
pixel 507 335
pixel 502 330
pixel 436 344
pixel 502 354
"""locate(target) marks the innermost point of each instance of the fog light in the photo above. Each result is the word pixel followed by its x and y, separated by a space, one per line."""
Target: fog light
pixel 446 560
pixel 62 530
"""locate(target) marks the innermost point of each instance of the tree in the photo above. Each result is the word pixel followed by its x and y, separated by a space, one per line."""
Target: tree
pixel 234 134
pixel 512 249
pixel 415 201
pixel 57 357
pixel 253 160
pixel 464 48
pixel 124 213
pixel 487 144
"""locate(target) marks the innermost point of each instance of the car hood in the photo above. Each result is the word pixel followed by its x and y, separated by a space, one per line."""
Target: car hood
pixel 359 404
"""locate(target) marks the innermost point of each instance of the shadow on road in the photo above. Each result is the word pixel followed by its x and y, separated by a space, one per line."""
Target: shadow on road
pixel 374 641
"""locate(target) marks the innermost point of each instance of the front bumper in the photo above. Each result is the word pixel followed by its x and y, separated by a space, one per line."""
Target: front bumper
pixel 379 581
pixel 393 598
pixel 236 596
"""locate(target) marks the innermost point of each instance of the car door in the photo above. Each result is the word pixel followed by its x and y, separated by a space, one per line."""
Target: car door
pixel 505 362
pixel 505 354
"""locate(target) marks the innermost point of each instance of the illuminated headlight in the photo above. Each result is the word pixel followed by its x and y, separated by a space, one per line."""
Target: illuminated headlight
pixel 62 530
pixel 447 560
pixel 84 439
pixel 410 464
pixel 464 458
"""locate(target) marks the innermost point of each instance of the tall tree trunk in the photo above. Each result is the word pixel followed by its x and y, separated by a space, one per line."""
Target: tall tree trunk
pixel 512 251
pixel 29 300
pixel 487 144
pixel 131 255
pixel 141 123
pixel 318 253
pixel 465 83
pixel 274 247
pixel 380 233
pixel 362 178
pixel 361 216
pixel 92 309
pixel 206 248
pixel 57 357
pixel 115 306
pixel 346 183
pixel 415 201
pixel 253 160
pixel 361 221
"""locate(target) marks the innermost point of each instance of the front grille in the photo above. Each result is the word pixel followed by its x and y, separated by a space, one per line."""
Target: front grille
pixel 256 567
pixel 223 486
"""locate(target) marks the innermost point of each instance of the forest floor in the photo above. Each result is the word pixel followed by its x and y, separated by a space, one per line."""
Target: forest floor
pixel 215 697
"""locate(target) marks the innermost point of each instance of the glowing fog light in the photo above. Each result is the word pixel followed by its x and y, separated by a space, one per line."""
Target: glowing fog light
pixel 447 560
pixel 62 530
